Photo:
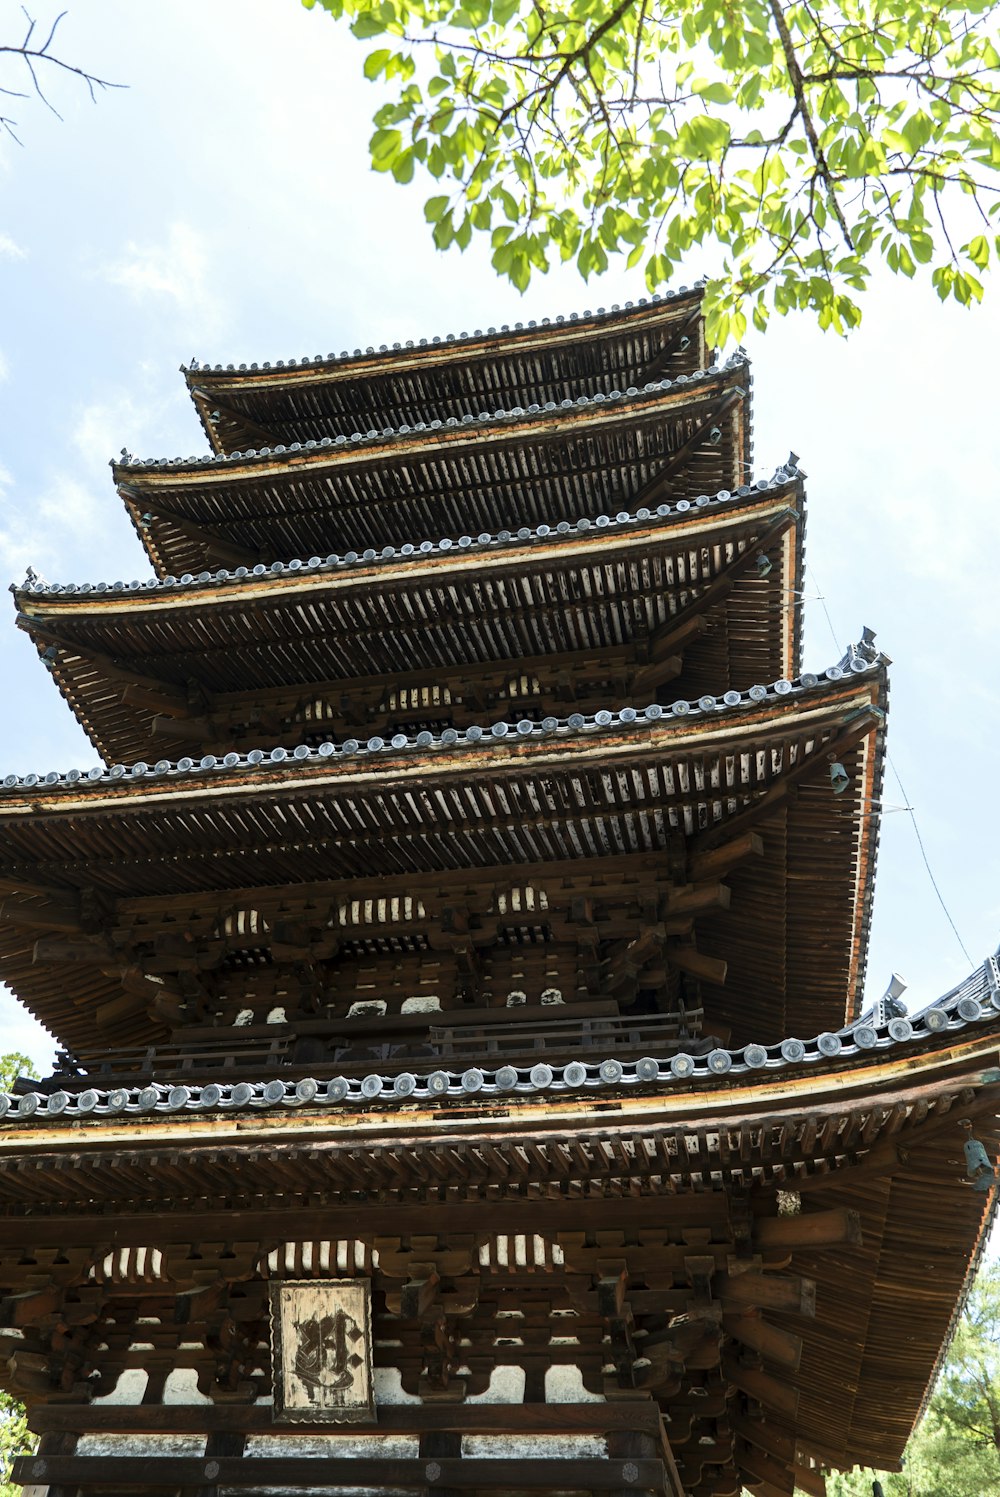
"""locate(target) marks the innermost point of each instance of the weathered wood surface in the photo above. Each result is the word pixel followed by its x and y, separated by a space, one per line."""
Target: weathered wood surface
pixel 471 814
pixel 440 377
pixel 140 1473
pixel 539 468
pixel 393 1419
pixel 672 605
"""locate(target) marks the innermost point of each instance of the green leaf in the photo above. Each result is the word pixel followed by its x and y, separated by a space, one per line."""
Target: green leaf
pixel 978 251
pixel 385 146
pixel 367 25
pixel 713 93
pixel 375 62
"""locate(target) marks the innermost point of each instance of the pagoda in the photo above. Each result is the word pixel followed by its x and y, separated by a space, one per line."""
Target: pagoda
pixel 457 957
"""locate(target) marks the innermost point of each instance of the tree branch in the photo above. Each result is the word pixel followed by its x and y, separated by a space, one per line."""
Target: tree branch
pixel 31 57
pixel 798 89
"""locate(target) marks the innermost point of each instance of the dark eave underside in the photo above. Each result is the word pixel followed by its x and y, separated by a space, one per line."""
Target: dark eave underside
pixel 797 924
pixel 306 399
pixel 523 469
pixel 564 621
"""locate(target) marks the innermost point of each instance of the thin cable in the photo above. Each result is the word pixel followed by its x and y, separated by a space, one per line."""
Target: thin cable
pixel 902 789
pixel 821 599
pixel 923 854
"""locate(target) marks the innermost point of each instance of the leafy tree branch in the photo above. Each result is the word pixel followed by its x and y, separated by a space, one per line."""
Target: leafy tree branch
pixel 798 142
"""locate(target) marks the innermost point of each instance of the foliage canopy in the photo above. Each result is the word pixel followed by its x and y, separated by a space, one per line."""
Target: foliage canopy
pixel 805 140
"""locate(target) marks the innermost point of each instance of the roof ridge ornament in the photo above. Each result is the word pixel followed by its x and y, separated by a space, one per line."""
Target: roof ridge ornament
pixel 861 654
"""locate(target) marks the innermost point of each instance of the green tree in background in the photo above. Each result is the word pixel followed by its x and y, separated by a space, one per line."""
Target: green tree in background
pixel 12 1065
pixel 14 1437
pixel 804 141
pixel 955 1450
pixel 14 1440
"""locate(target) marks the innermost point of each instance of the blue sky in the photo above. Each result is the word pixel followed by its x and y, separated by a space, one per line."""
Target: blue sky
pixel 222 208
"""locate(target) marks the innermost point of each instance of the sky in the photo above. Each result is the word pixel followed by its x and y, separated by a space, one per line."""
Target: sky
pixel 221 208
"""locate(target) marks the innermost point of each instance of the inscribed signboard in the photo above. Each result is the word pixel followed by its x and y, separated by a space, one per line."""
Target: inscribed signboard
pixel 322 1350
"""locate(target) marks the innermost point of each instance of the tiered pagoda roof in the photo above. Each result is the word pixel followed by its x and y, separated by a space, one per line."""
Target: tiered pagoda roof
pixel 674 799
pixel 574 614
pixel 501 469
pixel 296 400
pixel 525 971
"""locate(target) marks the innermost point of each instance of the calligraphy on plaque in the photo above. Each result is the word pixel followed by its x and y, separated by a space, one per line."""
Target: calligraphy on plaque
pixel 321 1341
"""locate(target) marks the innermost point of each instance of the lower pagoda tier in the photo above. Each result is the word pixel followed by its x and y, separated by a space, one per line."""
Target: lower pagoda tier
pixel 642 1279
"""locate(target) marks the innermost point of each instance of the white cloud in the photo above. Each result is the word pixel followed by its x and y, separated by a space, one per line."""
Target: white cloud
pixel 45 533
pixel 103 425
pixel 76 512
pixel 174 272
pixel 4 367
pixel 10 249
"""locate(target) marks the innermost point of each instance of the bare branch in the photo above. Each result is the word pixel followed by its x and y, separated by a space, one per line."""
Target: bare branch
pixel 32 57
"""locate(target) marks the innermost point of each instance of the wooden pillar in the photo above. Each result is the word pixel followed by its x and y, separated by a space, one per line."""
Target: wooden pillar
pixel 220 1442
pixel 435 1443
pixel 62 1443
pixel 627 1446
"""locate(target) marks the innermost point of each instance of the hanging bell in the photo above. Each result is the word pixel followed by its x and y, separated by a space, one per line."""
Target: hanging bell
pixel 977 1165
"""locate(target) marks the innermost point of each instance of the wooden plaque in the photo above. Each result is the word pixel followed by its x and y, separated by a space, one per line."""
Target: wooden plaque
pixel 321 1346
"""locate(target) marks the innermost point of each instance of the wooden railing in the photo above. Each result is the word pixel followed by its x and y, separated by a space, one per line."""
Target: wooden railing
pixel 452 1040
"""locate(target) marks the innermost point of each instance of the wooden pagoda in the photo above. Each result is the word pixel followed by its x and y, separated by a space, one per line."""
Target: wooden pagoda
pixel 430 949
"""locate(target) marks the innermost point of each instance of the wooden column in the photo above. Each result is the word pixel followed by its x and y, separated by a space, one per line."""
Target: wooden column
pixel 219 1443
pixel 54 1444
pixel 630 1447
pixel 435 1443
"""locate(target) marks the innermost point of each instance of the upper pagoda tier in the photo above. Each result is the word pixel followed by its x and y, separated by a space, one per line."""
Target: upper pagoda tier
pixel 690 853
pixel 298 400
pixel 571 618
pixel 505 470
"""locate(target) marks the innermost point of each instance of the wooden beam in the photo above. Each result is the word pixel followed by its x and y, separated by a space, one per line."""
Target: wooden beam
pixel 250 433
pixel 642 1415
pixel 687 958
pixel 215 547
pixel 50 911
pixel 774 1344
pixel 809 1229
pixel 672 635
pixel 341 1220
pixel 769 1292
pixel 58 949
pixel 658 363
pixel 699 899
pixel 765 1468
pixel 810 1481
pixel 141 1473
pixel 144 690
pixel 650 491
pixel 862 724
pixel 720 860
pixel 774 1393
